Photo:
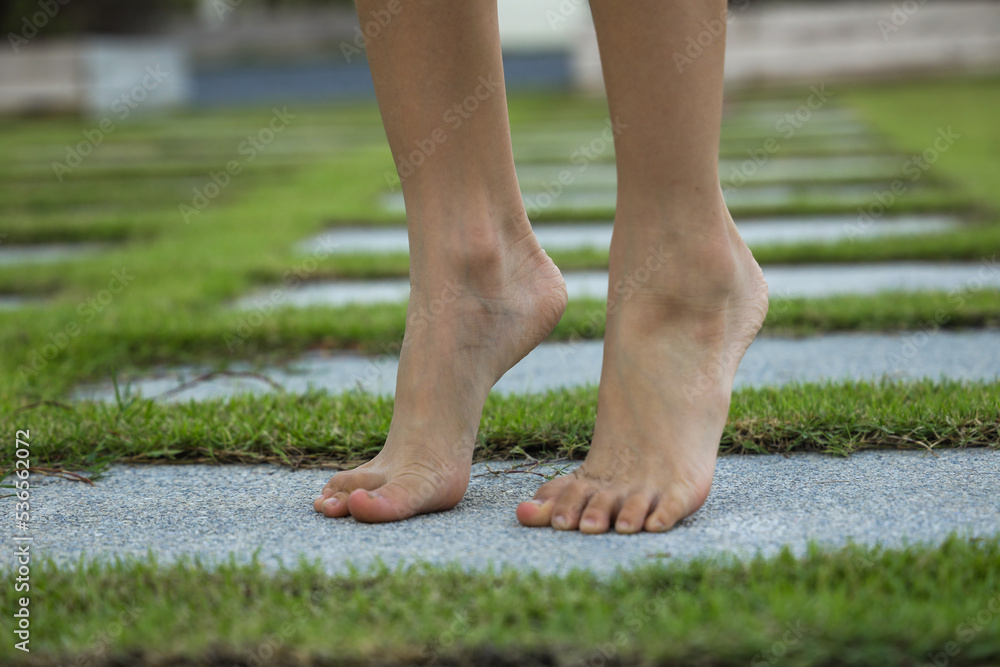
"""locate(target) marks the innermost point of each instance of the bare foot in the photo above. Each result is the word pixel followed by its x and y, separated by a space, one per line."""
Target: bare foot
pixel 476 308
pixel 673 342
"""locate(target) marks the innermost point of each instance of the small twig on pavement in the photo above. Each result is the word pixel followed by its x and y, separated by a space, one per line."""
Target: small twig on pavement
pixel 214 374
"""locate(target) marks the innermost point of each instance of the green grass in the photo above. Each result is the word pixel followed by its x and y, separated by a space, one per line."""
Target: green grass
pixel 852 606
pixel 910 114
pixel 123 343
pixel 344 430
pixel 329 165
pixel 859 606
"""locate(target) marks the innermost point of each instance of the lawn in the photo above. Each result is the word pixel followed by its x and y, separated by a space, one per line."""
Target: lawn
pixel 182 268
pixel 160 293
pixel 854 606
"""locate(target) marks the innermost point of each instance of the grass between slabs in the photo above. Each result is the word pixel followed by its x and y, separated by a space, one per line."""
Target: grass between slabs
pixel 184 273
pixel 852 606
pixel 968 243
pixel 343 430
pixel 122 344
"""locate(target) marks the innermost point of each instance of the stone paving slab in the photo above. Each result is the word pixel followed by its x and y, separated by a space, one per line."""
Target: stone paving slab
pixel 12 302
pixel 823 123
pixel 973 356
pixel 812 169
pixel 758 504
pixel 540 150
pixel 47 253
pixel 578 200
pixel 784 282
pixel 597 235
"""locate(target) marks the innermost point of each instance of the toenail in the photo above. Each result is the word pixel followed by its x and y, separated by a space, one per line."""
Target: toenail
pixel 589 522
pixel 560 522
pixel 332 502
pixel 537 501
pixel 624 525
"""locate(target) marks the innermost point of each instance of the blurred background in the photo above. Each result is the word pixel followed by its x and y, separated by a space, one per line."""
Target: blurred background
pixel 71 56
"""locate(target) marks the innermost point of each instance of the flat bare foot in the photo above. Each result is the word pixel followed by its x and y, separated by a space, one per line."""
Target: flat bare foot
pixel 477 306
pixel 677 330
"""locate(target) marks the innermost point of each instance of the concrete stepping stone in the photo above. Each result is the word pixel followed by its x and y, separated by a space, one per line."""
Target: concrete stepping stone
pixel 759 124
pixel 540 150
pixel 808 280
pixel 48 253
pixel 766 115
pixel 12 302
pixel 580 200
pixel 597 235
pixel 758 504
pixel 973 355
pixel 796 169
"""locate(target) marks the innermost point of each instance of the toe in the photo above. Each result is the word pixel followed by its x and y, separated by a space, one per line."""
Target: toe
pixel 353 479
pixel 537 512
pixel 398 499
pixel 570 503
pixel 667 512
pixel 633 513
pixel 318 502
pixel 335 506
pixel 342 484
pixel 600 510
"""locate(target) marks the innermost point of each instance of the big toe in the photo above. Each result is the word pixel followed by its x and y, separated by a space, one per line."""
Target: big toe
pixel 537 512
pixel 398 499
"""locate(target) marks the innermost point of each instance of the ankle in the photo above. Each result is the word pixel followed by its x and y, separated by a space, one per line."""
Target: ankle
pixel 476 249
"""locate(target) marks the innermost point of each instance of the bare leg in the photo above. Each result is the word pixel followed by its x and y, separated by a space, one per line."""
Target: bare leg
pixel 686 296
pixel 483 293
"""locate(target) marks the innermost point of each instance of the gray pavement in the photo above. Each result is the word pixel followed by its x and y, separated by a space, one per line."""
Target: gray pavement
pixel 758 504
pixel 47 253
pixel 597 235
pixel 969 355
pixel 579 200
pixel 784 282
